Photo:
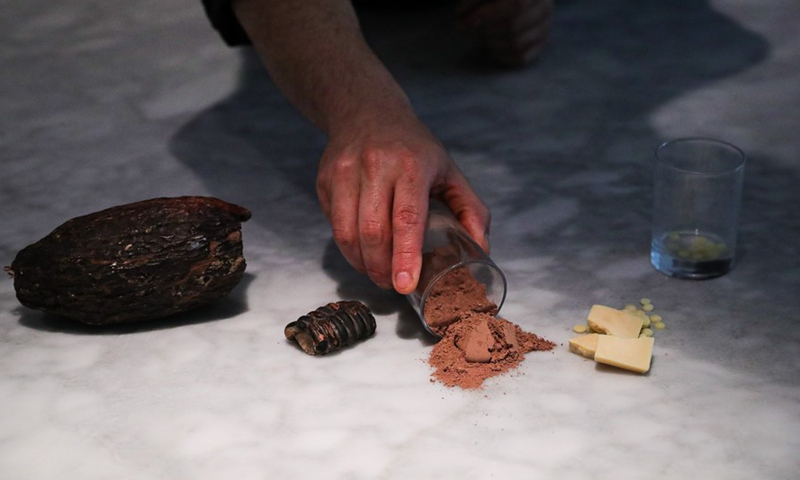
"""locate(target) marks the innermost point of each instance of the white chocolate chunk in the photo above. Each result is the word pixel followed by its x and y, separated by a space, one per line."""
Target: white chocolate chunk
pixel 584 345
pixel 615 322
pixel 632 354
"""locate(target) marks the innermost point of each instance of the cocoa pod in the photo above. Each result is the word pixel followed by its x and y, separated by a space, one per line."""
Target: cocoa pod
pixel 134 262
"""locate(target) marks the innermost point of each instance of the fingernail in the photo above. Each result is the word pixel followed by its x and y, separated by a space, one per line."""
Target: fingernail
pixel 402 280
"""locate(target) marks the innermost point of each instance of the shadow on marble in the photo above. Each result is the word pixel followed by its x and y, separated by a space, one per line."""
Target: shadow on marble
pixel 560 151
pixel 235 303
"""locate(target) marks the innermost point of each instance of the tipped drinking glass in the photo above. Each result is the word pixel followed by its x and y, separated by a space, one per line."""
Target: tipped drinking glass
pixel 449 250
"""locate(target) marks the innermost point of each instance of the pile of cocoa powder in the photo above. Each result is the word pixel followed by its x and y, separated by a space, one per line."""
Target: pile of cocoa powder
pixel 475 345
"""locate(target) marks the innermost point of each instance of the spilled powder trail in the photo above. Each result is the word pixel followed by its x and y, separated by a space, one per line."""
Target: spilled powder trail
pixel 475 345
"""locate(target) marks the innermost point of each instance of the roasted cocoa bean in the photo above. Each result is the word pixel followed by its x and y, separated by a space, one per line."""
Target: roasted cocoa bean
pixel 331 327
pixel 134 262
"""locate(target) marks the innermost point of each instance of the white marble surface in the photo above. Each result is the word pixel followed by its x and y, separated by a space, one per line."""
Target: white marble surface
pixel 109 102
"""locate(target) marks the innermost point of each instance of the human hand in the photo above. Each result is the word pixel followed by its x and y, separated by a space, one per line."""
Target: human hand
pixel 381 165
pixel 374 184
pixel 514 31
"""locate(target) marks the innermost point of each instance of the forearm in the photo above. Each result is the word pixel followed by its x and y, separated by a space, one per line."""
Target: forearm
pixel 381 164
pixel 316 54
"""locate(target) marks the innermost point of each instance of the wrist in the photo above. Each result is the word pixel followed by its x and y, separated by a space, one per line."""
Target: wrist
pixel 386 108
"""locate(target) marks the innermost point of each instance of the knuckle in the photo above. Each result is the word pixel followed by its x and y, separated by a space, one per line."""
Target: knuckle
pixel 397 157
pixel 408 216
pixel 372 160
pixel 404 256
pixel 372 233
pixel 345 238
pixel 343 167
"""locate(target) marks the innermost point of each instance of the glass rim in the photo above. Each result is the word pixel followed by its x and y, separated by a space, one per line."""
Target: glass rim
pixel 738 152
pixel 426 293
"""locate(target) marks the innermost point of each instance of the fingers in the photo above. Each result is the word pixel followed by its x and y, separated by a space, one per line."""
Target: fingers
pixel 410 212
pixel 468 208
pixel 375 191
pixel 338 190
pixel 357 195
pixel 409 215
pixel 375 222
pixel 378 222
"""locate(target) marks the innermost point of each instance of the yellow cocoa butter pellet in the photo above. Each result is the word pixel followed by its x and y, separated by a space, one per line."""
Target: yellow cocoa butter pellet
pixel 648 307
pixel 655 318
pixel 579 328
pixel 644 301
pixel 646 332
pixel 659 325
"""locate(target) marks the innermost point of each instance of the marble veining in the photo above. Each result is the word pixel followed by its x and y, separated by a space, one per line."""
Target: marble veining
pixel 114 102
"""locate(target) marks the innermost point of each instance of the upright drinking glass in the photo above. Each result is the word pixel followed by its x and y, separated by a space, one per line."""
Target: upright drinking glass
pixel 698 190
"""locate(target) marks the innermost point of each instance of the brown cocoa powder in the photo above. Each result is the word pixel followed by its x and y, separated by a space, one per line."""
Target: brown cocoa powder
pixel 456 294
pixel 475 345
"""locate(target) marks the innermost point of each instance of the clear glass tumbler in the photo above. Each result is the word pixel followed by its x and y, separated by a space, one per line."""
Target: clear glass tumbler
pixel 457 274
pixel 698 190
